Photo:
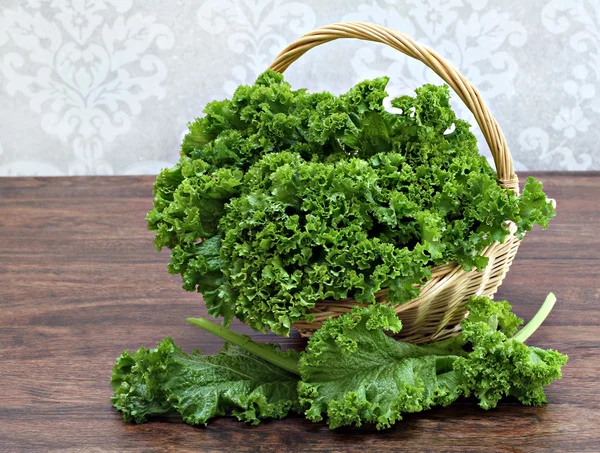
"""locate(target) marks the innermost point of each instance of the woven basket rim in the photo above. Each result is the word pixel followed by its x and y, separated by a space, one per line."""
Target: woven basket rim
pixel 446 275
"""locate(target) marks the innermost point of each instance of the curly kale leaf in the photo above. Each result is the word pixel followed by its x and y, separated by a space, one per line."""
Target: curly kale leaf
pixel 270 117
pixel 354 373
pixel 497 315
pixel 199 387
pixel 137 380
pixel 499 365
pixel 311 196
pixel 200 266
pixel 190 211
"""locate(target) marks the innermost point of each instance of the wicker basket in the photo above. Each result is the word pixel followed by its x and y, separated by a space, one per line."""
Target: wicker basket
pixel 440 307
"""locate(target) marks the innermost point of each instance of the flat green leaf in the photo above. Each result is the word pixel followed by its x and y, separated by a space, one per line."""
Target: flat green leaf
pixel 200 387
pixel 354 373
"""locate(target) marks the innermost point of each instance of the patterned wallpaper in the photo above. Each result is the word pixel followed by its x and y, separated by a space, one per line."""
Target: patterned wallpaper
pixel 107 86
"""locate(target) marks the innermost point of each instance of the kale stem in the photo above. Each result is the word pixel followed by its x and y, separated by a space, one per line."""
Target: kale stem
pixel 537 320
pixel 245 342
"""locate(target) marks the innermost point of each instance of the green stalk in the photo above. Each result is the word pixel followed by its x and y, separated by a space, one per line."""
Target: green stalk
pixel 245 342
pixel 537 320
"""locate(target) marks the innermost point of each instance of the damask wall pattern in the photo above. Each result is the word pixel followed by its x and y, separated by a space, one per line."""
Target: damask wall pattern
pixel 92 87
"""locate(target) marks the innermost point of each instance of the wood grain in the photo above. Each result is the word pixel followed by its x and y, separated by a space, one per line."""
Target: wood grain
pixel 80 282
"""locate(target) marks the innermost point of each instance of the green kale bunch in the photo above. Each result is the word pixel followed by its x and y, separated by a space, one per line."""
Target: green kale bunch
pixel 283 198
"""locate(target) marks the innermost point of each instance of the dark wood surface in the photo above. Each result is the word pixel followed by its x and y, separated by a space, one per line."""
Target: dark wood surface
pixel 80 282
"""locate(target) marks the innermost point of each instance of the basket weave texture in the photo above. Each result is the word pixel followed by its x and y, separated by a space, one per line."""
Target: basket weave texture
pixel 436 313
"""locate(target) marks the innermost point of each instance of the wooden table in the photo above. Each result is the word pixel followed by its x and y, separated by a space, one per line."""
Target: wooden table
pixel 80 282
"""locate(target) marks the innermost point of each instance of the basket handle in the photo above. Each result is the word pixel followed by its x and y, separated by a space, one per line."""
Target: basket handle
pixel 399 41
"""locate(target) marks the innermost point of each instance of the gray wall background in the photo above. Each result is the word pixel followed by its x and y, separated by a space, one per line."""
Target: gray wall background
pixel 108 86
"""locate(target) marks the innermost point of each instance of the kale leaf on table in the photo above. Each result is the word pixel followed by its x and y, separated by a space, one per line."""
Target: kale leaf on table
pixel 351 372
pixel 283 198
pixel 354 373
pixel 166 380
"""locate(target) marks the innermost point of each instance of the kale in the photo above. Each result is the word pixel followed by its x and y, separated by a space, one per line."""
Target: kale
pixel 283 198
pixel 166 380
pixel 354 373
pixel 351 372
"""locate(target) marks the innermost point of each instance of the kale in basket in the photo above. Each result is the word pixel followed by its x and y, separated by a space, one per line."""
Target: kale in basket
pixel 283 198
